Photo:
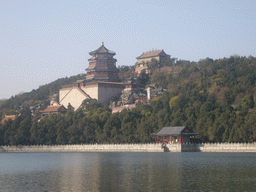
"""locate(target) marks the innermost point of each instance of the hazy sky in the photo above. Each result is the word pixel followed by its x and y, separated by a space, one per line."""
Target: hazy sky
pixel 43 40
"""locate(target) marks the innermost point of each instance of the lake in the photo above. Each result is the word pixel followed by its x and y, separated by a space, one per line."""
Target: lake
pixel 107 171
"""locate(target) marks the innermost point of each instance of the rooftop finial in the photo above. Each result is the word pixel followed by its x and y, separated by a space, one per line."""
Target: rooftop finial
pixel 102 43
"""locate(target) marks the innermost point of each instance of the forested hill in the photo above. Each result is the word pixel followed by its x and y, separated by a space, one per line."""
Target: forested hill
pixel 228 79
pixel 37 96
pixel 213 97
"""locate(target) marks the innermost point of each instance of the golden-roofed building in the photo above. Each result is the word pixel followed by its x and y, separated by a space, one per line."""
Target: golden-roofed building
pixel 146 58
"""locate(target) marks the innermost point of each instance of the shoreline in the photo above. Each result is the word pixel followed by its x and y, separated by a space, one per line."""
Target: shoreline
pixel 149 147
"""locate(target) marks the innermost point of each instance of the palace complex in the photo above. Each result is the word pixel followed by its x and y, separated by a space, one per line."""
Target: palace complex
pixel 102 81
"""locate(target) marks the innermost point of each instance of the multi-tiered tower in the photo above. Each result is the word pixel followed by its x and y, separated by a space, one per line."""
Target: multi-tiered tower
pixel 102 81
pixel 102 66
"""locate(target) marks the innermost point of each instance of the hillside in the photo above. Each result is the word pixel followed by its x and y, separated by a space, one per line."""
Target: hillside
pixel 228 79
pixel 214 97
pixel 40 95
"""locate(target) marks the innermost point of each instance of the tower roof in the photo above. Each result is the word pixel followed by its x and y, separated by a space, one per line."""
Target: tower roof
pixel 102 50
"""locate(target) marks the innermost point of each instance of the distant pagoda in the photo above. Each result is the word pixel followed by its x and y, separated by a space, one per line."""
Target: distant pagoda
pixel 102 66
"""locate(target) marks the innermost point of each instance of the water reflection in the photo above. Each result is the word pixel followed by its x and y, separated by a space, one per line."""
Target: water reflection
pixel 127 172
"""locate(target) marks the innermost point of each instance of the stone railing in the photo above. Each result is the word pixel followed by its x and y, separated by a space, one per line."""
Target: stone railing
pixel 219 147
pixel 149 147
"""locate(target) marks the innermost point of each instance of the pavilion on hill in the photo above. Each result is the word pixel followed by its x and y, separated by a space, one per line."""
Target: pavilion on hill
pixel 145 58
pixel 178 134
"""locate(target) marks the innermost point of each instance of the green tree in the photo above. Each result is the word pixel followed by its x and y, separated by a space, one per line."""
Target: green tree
pixel 23 132
pixel 174 102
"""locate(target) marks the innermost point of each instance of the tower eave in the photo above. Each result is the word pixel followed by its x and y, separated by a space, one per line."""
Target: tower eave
pixel 102 50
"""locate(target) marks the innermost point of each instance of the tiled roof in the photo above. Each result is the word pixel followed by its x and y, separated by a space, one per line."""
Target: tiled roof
pixel 174 131
pixel 102 49
pixel 7 117
pixel 150 54
pixel 55 108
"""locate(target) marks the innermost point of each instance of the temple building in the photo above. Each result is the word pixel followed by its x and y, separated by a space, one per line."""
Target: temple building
pixel 178 134
pixel 146 58
pixel 53 109
pixel 102 81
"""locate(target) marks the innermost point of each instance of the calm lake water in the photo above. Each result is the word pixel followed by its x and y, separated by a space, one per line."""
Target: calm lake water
pixel 127 171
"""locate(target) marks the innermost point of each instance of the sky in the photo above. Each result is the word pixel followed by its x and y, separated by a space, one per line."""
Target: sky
pixel 44 40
